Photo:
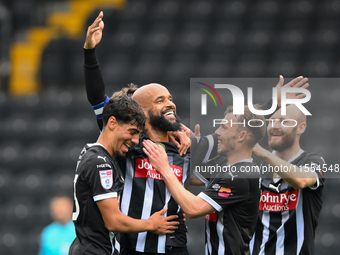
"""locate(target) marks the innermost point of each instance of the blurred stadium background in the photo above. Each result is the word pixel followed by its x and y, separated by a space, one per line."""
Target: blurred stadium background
pixel 46 120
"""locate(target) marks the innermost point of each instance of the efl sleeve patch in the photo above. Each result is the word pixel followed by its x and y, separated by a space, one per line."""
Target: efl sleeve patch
pixel 106 178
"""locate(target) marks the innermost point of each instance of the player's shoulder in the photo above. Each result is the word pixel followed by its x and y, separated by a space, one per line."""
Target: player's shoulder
pixel 96 155
pixel 312 157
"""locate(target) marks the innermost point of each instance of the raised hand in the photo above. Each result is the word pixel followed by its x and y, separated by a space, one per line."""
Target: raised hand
pixel 298 82
pixel 94 32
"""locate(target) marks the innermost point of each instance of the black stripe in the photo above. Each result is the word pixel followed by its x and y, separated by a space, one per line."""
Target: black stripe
pixel 214 240
pixel 258 234
pixel 274 224
pixel 290 242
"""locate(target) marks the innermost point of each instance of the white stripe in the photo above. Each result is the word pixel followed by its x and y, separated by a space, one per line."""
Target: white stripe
pixel 208 249
pixel 300 222
pixel 147 204
pixel 105 196
pixel 117 245
pixel 251 244
pixel 265 234
pixel 280 233
pixel 219 228
pixel 98 111
pixel 186 170
pixel 210 201
pixel 76 213
pixel 317 184
pixel 162 238
pixel 126 195
pixel 211 146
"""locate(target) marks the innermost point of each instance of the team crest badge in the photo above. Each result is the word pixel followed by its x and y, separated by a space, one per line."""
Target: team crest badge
pixel 106 178
pixel 216 187
pixel 162 145
pixel 276 177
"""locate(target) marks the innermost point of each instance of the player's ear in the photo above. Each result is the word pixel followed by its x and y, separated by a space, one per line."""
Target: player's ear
pixel 242 135
pixel 301 128
pixel 112 123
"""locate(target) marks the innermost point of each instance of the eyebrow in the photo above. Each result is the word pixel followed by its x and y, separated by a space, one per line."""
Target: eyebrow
pixel 135 129
pixel 162 97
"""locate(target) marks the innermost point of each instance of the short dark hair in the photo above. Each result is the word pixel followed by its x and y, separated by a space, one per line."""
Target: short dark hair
pixel 256 131
pixel 126 91
pixel 125 110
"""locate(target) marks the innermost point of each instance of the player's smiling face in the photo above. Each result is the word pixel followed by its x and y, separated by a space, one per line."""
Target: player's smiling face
pixel 126 135
pixel 158 106
pixel 281 137
pixel 162 104
pixel 226 135
pixel 162 110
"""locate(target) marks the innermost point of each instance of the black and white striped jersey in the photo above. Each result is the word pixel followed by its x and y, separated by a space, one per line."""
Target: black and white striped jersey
pixel 235 195
pixel 288 217
pixel 145 193
pixel 97 177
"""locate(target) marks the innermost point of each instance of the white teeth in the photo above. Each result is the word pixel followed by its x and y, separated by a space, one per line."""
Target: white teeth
pixel 169 113
pixel 127 145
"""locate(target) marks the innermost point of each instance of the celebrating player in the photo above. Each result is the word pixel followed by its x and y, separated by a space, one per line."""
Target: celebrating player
pixel 231 198
pixel 291 198
pixel 98 182
pixel 144 191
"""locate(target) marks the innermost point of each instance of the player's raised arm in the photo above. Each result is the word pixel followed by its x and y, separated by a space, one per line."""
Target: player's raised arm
pixel 298 177
pixel 95 88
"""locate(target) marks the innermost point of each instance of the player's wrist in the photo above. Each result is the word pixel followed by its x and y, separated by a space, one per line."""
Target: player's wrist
pixel 150 225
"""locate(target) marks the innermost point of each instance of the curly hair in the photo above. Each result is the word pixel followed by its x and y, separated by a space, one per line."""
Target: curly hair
pixel 126 91
pixel 125 110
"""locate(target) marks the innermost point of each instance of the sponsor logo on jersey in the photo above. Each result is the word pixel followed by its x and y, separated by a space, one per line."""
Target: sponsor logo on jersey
pixel 224 192
pixel 106 178
pixel 143 169
pixel 162 145
pixel 278 202
pixel 211 217
pixel 103 158
pixel 216 187
pixel 276 177
pixel 104 166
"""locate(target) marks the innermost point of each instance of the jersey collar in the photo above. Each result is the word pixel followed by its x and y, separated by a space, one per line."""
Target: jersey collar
pixel 294 157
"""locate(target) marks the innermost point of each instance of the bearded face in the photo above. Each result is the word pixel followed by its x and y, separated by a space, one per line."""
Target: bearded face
pixel 280 140
pixel 165 124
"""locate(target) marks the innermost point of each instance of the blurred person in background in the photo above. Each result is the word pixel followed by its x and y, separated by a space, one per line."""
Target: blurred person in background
pixel 57 237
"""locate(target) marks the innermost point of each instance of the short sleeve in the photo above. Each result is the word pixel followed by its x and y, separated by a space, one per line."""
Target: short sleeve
pixel 100 176
pixel 315 162
pixel 224 192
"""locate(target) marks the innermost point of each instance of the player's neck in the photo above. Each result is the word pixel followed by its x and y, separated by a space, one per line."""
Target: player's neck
pixel 288 153
pixel 238 156
pixel 103 139
pixel 157 136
